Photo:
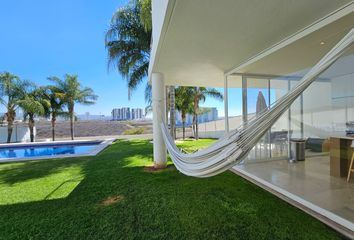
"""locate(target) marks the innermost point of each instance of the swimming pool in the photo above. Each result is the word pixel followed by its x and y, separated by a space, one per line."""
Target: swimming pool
pixel 50 150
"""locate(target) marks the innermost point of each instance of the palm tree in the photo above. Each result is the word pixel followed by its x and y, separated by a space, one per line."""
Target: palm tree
pixel 184 104
pixel 34 103
pixel 148 99
pixel 56 108
pixel 128 42
pixel 199 95
pixel 71 92
pixel 145 14
pixel 11 88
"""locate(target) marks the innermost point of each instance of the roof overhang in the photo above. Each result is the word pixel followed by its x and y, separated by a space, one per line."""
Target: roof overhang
pixel 195 43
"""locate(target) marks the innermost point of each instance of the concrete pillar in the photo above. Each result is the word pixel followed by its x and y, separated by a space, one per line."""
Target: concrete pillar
pixel 158 109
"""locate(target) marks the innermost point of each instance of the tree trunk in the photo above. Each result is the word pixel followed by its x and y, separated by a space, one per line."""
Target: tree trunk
pixel 72 127
pixel 31 126
pixel 193 125
pixel 71 110
pixel 172 113
pixel 196 128
pixel 10 117
pixel 196 109
pixel 183 124
pixel 9 131
pixel 53 126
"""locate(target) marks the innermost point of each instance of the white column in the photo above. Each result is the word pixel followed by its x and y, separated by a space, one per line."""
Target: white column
pixel 158 109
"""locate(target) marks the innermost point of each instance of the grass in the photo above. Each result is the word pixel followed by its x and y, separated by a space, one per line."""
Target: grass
pixel 133 131
pixel 191 145
pixel 110 196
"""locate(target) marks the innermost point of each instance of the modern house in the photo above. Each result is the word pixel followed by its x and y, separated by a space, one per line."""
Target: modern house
pixel 267 46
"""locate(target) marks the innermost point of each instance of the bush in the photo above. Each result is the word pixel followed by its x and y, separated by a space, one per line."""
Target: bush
pixel 134 131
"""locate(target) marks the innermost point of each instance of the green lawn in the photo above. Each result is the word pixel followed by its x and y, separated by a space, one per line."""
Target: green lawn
pixel 112 196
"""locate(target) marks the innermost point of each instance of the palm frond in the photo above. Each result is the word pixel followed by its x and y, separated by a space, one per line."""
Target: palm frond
pixel 148 94
pixel 137 75
pixel 128 43
pixel 214 93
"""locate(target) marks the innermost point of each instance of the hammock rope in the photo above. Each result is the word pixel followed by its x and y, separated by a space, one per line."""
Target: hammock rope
pixel 233 147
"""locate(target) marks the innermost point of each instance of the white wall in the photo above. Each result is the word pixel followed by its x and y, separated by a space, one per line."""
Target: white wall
pixel 19 134
pixel 158 15
pixel 159 8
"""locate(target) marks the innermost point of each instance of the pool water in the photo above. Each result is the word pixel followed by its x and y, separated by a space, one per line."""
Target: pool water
pixel 39 151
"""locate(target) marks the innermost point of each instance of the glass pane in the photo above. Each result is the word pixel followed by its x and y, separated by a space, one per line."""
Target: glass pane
pixel 235 101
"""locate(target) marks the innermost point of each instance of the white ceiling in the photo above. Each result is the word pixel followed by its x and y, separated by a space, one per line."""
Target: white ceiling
pixel 303 53
pixel 206 38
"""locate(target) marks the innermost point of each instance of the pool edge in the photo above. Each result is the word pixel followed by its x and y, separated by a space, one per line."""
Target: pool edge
pixel 100 147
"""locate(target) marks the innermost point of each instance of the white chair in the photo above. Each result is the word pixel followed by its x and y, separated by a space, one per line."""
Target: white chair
pixel 350 170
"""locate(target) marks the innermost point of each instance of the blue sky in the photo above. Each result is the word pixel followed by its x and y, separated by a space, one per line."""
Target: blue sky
pixel 42 38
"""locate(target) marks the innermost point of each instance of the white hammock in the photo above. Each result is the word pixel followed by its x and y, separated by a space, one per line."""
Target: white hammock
pixel 234 146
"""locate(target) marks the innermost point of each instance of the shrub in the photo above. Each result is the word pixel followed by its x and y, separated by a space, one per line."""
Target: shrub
pixel 134 131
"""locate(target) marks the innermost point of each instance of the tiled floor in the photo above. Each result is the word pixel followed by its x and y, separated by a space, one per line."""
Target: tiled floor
pixel 309 180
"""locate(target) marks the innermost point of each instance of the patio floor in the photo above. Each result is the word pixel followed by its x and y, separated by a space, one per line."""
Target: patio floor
pixel 310 180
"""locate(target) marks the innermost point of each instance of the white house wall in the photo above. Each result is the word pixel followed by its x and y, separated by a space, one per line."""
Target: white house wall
pixel 19 134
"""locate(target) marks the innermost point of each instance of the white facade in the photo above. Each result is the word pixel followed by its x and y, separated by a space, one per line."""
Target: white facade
pixel 258 46
pixel 19 134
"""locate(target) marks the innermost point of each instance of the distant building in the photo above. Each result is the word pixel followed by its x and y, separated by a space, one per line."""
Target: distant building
pixel 115 114
pixel 125 113
pixel 137 113
pixel 120 114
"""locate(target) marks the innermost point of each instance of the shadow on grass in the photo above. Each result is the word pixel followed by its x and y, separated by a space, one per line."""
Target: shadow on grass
pixel 153 205
pixel 49 195
pixel 11 173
